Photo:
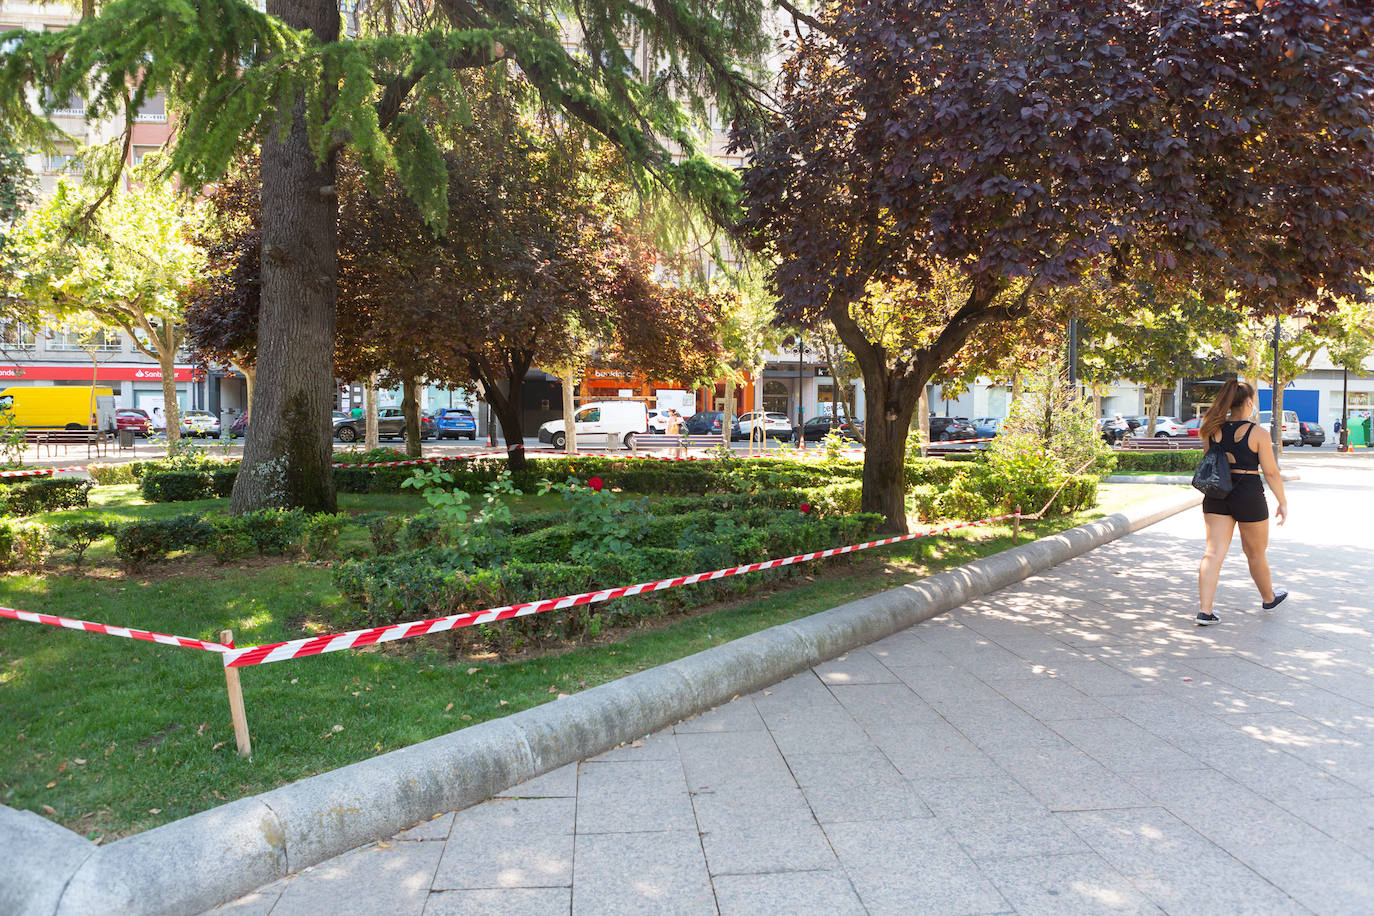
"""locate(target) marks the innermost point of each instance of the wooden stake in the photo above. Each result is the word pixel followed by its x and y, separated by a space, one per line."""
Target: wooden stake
pixel 1016 527
pixel 231 678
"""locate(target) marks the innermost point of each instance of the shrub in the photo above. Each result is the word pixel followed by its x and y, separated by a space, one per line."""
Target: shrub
pixel 79 536
pixel 45 495
pixel 178 486
pixel 143 542
pixel 320 535
pixel 24 545
pixel 106 475
pixel 966 499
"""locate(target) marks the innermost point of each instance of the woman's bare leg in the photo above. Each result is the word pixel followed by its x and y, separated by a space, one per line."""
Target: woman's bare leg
pixel 1254 538
pixel 1219 531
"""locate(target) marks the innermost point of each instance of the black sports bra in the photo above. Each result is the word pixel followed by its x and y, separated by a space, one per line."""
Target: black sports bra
pixel 1238 447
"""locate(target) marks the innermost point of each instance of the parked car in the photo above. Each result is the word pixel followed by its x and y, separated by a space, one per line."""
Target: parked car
pixel 455 423
pixel 1291 433
pixel 1165 427
pixel 705 422
pixel 818 428
pixel 339 415
pixel 1192 426
pixel 597 420
pixel 199 423
pixel 391 424
pixel 987 427
pixel 135 419
pixel 239 428
pixel 944 429
pixel 774 425
pixel 1310 433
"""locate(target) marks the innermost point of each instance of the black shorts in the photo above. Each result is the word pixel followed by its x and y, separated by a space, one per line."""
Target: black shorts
pixel 1245 502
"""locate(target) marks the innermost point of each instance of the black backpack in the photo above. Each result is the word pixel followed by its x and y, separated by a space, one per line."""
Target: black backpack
pixel 1213 474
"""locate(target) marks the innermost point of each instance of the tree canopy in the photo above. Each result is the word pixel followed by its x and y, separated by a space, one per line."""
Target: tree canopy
pixel 994 148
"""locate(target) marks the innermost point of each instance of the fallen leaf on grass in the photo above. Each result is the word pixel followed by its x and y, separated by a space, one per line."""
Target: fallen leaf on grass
pixel 448 707
pixel 473 670
pixel 200 729
pixel 553 690
pixel 79 761
pixel 504 703
pixel 218 745
pixel 154 810
pixel 49 810
pixel 62 767
pixel 336 729
pixel 467 718
pixel 53 784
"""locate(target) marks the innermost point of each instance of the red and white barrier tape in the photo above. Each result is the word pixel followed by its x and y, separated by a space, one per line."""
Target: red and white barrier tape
pixel 129 633
pixel 34 472
pixel 316 645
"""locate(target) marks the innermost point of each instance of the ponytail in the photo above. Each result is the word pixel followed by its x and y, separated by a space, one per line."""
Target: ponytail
pixel 1233 394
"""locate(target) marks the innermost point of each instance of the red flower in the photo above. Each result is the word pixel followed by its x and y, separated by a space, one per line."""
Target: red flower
pixel 596 483
pixel 806 508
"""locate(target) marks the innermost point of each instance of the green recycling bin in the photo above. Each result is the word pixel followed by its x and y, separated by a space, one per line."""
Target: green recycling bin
pixel 1359 432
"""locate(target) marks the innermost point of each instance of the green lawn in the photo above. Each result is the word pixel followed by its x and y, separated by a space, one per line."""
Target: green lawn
pixel 110 737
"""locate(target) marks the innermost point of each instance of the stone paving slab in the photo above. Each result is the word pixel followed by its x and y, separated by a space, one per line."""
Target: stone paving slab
pixel 1071 744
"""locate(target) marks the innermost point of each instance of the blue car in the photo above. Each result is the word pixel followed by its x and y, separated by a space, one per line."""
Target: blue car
pixel 455 423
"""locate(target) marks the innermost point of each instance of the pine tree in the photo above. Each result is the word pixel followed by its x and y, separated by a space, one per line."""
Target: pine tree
pixel 292 84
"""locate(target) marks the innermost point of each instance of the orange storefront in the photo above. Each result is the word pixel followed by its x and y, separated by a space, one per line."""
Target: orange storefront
pixel 611 384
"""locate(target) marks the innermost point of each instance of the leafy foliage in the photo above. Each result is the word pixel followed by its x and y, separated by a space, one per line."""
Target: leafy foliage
pixel 936 164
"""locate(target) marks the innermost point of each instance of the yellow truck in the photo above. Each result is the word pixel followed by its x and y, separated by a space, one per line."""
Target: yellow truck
pixel 59 406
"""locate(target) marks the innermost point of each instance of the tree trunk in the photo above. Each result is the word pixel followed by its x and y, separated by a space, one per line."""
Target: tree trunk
pixel 887 418
pixel 506 406
pixel 372 431
pixel 249 376
pixel 1156 399
pixel 727 420
pixel 288 451
pixel 171 407
pixel 1097 402
pixel 1015 388
pixel 410 409
pixel 923 418
pixel 569 412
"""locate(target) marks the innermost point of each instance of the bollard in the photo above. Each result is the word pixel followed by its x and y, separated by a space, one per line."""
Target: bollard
pixel 1016 527
pixel 236 711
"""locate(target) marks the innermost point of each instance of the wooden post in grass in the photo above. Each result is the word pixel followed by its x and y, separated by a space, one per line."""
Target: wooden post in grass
pixel 1016 527
pixel 231 678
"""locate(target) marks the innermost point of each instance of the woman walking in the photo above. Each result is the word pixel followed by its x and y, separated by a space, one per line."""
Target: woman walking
pixel 1248 450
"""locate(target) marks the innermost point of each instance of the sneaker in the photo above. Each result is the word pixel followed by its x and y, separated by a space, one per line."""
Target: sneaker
pixel 1206 620
pixel 1279 595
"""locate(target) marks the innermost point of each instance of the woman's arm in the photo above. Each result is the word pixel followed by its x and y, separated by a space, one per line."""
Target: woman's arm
pixel 1263 445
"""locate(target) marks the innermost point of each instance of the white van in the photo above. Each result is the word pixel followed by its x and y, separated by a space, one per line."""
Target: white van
pixel 599 419
pixel 1291 432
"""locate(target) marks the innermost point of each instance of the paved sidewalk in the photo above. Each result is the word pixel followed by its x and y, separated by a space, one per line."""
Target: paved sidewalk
pixel 1072 744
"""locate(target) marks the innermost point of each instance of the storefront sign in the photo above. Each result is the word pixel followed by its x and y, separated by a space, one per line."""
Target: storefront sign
pixel 74 372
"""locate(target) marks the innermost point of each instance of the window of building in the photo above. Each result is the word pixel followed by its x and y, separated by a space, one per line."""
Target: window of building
pixel 154 109
pixel 775 397
pixel 67 162
pixel 140 151
pixel 101 339
pixel 73 106
pixel 16 336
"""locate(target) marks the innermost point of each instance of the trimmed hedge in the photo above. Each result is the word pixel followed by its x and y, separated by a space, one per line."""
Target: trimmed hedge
pixel 182 486
pixel 1159 462
pixel 44 495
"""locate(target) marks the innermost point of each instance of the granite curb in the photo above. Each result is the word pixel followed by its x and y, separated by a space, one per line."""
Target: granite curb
pixel 217 855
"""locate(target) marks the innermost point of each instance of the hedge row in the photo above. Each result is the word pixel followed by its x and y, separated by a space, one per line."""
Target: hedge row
pixel 440 580
pixel 1159 462
pixel 43 495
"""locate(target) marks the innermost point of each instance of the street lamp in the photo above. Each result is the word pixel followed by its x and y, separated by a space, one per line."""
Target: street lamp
pixel 801 355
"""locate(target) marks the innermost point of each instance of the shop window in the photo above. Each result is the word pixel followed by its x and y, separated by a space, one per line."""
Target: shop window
pixel 775 397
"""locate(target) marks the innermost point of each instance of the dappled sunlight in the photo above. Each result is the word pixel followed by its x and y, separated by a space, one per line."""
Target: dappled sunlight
pixel 1106 896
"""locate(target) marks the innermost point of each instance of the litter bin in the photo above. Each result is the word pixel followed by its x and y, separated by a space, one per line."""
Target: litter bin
pixel 126 438
pixel 1359 433
pixel 1368 439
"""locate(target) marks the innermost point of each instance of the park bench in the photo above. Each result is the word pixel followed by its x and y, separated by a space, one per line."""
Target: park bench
pixel 654 442
pixel 1159 444
pixel 96 441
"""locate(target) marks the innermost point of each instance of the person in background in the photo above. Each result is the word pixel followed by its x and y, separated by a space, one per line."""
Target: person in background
pixel 1247 448
pixel 159 419
pixel 674 423
pixel 356 413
